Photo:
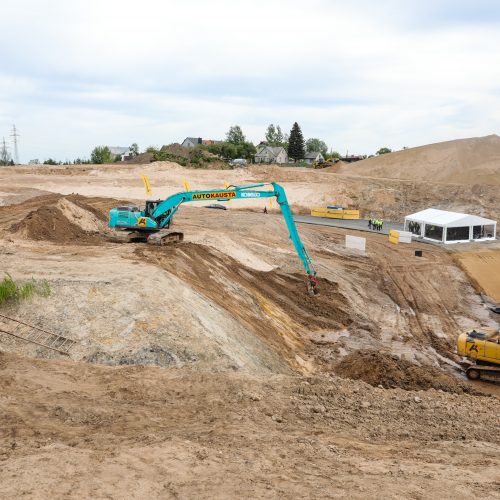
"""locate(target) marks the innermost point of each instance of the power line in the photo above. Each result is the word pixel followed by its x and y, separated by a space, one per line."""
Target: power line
pixel 14 136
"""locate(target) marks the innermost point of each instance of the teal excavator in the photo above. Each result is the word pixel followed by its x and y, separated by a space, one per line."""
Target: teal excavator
pixel 152 223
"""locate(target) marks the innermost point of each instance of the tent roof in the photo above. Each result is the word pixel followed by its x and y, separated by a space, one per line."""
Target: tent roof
pixel 448 219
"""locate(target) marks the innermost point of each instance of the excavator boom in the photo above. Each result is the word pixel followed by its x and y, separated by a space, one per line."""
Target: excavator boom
pixel 158 215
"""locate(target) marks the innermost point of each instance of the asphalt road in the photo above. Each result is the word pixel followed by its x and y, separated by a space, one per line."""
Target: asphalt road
pixel 358 225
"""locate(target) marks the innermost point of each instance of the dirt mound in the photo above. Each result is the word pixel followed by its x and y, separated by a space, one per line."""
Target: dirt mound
pixel 141 159
pixel 377 368
pixel 463 161
pixel 66 220
pixel 176 149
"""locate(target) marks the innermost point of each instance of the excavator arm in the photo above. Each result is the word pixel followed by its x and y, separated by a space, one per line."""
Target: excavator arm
pixel 162 215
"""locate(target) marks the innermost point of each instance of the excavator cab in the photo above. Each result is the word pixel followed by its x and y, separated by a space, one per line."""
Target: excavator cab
pixel 150 207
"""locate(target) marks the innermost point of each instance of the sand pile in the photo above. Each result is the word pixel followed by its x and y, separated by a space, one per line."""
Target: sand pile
pixel 176 149
pixel 377 368
pixel 464 161
pixel 61 222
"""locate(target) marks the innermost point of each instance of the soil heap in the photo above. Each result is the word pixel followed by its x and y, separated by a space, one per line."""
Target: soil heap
pixel 463 161
pixel 389 371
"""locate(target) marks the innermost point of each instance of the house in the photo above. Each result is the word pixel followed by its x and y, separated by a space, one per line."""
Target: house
pixel 191 142
pixel 270 154
pixel 313 156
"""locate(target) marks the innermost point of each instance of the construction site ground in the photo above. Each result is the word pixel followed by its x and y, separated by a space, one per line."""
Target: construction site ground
pixel 203 369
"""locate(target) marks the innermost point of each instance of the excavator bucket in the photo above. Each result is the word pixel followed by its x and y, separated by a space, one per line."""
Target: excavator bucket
pixel 312 286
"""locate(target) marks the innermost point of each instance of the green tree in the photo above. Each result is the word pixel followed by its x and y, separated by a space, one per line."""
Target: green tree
pixel 271 135
pixel 384 151
pixel 275 136
pixel 296 146
pixel 246 150
pixel 101 154
pixel 316 145
pixel 280 137
pixel 50 161
pixel 134 149
pixel 235 135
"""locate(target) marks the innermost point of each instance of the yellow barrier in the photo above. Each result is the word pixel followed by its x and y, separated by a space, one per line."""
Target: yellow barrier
pixel 335 214
pixel 394 236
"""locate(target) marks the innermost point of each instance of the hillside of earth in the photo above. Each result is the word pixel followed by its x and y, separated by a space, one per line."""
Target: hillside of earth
pixel 463 161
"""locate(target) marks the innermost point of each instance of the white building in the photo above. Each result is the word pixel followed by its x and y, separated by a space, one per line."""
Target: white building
pixel 191 142
pixel 270 154
pixel 450 227
pixel 313 156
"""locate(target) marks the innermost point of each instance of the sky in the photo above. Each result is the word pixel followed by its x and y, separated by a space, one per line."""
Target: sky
pixel 359 75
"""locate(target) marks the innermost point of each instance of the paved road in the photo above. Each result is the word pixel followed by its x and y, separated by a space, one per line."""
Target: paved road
pixel 358 225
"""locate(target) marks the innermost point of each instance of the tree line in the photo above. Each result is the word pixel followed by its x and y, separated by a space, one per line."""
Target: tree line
pixel 234 146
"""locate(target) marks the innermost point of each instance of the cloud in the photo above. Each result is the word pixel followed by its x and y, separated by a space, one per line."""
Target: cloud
pixel 359 75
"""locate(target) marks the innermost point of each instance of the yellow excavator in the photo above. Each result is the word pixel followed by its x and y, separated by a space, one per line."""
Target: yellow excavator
pixel 482 347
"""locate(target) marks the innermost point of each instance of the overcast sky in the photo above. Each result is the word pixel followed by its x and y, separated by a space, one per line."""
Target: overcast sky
pixel 358 74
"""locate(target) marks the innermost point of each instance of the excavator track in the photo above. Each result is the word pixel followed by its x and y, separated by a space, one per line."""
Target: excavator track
pixel 159 238
pixel 483 372
pixel 165 238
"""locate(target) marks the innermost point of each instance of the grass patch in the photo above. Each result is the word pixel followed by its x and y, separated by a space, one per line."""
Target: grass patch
pixel 10 291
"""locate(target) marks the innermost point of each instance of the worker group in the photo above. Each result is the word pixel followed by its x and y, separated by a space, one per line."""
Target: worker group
pixel 376 224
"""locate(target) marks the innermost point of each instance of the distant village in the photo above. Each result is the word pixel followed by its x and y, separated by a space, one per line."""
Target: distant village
pixel 277 148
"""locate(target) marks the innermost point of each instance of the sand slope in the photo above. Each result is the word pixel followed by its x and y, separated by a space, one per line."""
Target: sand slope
pixel 463 161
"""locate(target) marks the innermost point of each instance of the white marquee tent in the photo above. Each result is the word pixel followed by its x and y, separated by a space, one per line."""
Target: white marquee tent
pixel 450 227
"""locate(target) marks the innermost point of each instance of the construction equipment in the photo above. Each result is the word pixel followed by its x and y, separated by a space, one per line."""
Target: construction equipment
pixel 151 224
pixel 483 347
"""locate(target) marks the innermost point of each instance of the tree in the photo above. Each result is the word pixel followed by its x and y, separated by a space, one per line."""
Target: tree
pixel 50 161
pixel 101 154
pixel 229 151
pixel 271 135
pixel 134 149
pixel 275 137
pixel 313 145
pixel 334 154
pixel 246 150
pixel 235 135
pixel 384 151
pixel 296 145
